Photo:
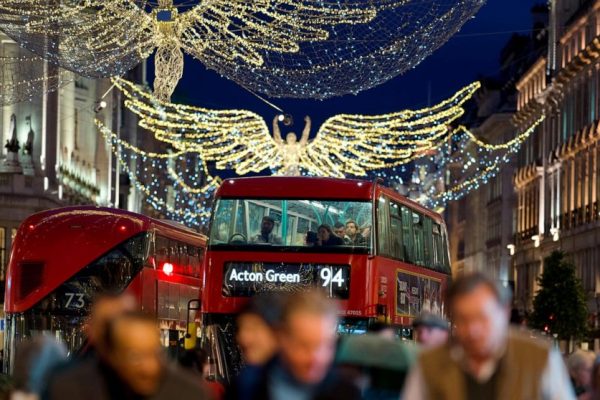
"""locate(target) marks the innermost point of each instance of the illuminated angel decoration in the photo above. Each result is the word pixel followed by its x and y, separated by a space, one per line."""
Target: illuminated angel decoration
pixel 100 38
pixel 291 149
pixel 281 48
pixel 343 145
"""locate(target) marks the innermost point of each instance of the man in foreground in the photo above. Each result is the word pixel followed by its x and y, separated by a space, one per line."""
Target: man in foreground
pixel 132 366
pixel 303 367
pixel 485 359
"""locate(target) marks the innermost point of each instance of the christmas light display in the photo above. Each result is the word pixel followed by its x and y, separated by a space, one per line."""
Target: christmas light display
pixel 282 48
pixel 24 77
pixel 174 183
pixel 179 182
pixel 468 163
pixel 344 144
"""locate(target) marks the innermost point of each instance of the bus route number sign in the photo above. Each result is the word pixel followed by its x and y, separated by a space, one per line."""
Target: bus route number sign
pixel 246 279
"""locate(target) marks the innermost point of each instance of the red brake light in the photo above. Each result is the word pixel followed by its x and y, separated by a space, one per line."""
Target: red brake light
pixel 122 228
pixel 31 226
pixel 167 268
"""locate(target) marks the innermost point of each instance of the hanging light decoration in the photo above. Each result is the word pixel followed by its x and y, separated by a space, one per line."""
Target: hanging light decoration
pixel 174 183
pixel 281 48
pixel 344 144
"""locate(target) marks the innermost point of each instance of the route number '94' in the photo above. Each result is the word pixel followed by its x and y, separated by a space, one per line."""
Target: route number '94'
pixel 329 277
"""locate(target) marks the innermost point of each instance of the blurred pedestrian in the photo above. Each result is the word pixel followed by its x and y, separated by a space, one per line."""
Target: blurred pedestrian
pixel 485 359
pixel 84 366
pixel 431 330
pixel 580 364
pixel 34 361
pixel 302 368
pixel 105 307
pixel 255 328
pixel 133 367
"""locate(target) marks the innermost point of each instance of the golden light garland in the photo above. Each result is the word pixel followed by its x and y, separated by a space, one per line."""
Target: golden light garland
pixel 344 144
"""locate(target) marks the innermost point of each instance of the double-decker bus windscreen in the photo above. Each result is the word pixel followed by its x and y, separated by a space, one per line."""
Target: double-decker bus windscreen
pixel 63 312
pixel 292 225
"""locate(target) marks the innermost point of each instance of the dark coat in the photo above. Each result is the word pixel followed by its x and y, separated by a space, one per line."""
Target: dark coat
pixel 253 384
pixel 91 380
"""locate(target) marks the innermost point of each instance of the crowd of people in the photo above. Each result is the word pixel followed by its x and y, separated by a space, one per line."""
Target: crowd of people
pixel 292 350
pixel 348 234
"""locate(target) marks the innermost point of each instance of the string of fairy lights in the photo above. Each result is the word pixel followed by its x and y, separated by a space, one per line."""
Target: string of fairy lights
pixel 180 183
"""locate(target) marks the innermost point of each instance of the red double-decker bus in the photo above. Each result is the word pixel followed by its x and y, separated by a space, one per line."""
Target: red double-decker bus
pixel 397 268
pixel 62 258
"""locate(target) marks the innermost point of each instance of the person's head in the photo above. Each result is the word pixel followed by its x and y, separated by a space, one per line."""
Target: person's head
pixel 324 232
pixel 307 335
pixel 255 328
pixel 267 225
pixel 133 350
pixel 339 229
pixel 431 330
pixel 106 306
pixel 480 309
pixel 580 364
pixel 291 138
pixel 351 228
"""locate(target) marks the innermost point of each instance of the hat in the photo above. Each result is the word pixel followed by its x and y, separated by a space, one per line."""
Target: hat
pixel 430 320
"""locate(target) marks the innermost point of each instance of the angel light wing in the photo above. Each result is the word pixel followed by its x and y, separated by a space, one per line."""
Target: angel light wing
pixel 242 29
pixel 353 144
pixel 95 38
pixel 236 139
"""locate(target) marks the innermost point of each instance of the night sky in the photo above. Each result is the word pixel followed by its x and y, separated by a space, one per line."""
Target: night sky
pixel 473 52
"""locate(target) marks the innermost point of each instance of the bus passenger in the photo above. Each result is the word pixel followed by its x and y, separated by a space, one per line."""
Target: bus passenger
pixel 354 237
pixel 326 237
pixel 266 234
pixel 340 231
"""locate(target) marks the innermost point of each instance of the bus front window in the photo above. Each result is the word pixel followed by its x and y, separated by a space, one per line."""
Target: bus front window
pixel 345 225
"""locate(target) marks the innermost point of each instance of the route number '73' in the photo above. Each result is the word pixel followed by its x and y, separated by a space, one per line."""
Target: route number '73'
pixel 328 277
pixel 75 300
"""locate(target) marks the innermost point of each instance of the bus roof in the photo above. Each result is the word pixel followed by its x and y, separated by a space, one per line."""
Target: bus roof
pixel 65 240
pixel 299 187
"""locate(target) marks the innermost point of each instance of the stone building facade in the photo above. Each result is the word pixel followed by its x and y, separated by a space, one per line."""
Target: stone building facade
pixel 558 176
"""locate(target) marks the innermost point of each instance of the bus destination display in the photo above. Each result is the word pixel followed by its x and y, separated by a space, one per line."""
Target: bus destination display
pixel 244 279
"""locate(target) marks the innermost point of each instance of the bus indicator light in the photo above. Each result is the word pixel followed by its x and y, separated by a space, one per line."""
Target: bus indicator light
pixel 167 268
pixel 122 228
